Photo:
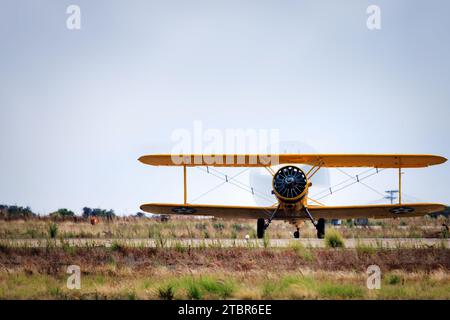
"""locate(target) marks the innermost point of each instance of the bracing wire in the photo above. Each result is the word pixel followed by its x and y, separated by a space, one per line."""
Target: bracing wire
pixel 231 180
pixel 366 185
pixel 244 186
pixel 341 183
pixel 361 176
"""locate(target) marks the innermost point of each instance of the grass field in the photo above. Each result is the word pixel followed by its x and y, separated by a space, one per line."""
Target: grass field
pixel 214 272
pixel 243 273
pixel 135 228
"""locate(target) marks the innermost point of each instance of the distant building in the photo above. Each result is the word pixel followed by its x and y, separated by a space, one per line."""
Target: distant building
pixel 336 222
pixel 361 222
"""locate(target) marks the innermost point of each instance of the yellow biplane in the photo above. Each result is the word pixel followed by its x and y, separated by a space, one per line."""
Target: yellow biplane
pixel 290 185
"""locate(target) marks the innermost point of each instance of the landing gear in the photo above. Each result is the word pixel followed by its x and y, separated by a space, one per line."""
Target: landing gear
pixel 320 226
pixel 297 234
pixel 260 228
pixel 262 224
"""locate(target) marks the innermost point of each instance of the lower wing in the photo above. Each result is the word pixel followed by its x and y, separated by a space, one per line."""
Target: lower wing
pixel 326 212
pixel 209 210
pixel 375 211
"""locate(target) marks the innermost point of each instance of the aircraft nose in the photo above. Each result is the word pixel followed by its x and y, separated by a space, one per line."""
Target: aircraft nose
pixel 289 180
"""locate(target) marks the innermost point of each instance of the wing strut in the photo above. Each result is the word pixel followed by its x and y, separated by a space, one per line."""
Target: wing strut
pixel 268 221
pixel 400 185
pixel 185 184
pixel 310 217
pixel 320 224
pixel 314 169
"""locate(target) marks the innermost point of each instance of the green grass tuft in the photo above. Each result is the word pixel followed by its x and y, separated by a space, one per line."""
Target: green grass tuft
pixel 333 239
pixel 166 292
pixel 116 246
pixel 393 279
pixel 341 291
pixel 365 249
pixel 302 252
pixel 193 290
pixel 207 286
pixel 266 240
pixel 52 230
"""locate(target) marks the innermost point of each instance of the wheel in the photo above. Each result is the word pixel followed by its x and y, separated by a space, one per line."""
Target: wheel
pixel 260 228
pixel 297 234
pixel 320 228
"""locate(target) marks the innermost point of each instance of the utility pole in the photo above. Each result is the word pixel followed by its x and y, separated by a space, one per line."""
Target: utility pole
pixel 391 195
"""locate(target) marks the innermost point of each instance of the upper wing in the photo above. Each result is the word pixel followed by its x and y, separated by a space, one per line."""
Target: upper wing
pixel 323 160
pixel 326 212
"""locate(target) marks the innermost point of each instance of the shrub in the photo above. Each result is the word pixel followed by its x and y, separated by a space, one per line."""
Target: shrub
pixel 166 293
pixel 302 252
pixel 161 241
pixel 193 290
pixel 153 231
pixel 221 288
pixel 333 239
pixel 179 247
pixel 218 226
pixel 266 240
pixel 201 226
pixel 116 246
pixel 132 295
pixel 52 230
pixel 445 233
pixel 269 288
pixel 365 249
pixel 237 227
pixel 394 279
pixel 341 291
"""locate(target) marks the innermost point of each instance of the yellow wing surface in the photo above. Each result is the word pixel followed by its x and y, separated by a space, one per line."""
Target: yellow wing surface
pixel 323 160
pixel 326 212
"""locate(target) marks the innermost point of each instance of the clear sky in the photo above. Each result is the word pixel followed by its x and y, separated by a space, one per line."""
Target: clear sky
pixel 78 107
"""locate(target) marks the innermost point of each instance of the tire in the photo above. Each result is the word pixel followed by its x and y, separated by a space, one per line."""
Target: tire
pixel 260 228
pixel 320 228
pixel 297 234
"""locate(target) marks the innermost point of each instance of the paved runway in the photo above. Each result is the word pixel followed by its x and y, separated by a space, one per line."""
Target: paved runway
pixel 229 243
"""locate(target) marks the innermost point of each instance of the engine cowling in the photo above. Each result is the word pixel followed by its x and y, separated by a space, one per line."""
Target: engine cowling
pixel 290 184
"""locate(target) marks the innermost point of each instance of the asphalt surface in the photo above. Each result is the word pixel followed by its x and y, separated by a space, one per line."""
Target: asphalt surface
pixel 229 243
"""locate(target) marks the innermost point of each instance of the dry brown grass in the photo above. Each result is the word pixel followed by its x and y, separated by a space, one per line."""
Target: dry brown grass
pixel 141 228
pixel 51 260
pixel 296 272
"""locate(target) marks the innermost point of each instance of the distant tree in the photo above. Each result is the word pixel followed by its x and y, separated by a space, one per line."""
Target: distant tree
pixel 110 213
pixel 97 212
pixel 140 215
pixel 3 210
pixel 62 213
pixel 17 212
pixel 27 212
pixel 87 212
pixel 13 211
